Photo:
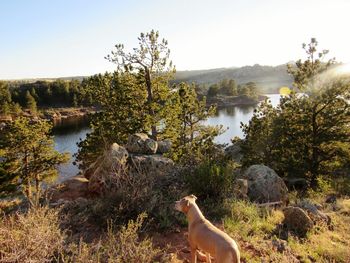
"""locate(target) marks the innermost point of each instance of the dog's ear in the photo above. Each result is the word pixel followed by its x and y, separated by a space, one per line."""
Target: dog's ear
pixel 194 197
pixel 187 203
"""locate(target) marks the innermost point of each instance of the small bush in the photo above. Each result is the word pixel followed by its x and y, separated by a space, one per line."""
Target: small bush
pixel 122 247
pixel 211 180
pixel 31 237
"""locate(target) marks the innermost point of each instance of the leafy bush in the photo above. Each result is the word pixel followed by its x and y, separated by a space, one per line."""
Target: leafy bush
pixel 210 179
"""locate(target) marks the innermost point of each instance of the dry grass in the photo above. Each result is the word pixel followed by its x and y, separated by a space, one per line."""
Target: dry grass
pixel 36 236
pixel 31 237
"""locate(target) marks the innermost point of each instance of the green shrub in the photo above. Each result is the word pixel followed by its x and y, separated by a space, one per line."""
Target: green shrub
pixel 210 180
pixel 248 220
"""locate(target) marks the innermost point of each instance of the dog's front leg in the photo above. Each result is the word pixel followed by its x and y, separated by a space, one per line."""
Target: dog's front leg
pixel 193 255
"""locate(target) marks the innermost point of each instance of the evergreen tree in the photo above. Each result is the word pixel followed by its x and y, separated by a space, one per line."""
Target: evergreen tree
pixel 191 139
pixel 30 102
pixel 308 134
pixel 122 113
pixel 213 90
pixel 5 98
pixel 16 108
pixel 150 61
pixel 29 156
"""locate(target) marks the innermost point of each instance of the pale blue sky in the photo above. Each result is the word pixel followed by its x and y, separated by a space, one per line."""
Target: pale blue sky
pixel 54 38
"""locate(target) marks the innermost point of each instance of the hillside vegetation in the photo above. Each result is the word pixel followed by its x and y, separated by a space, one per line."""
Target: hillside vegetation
pixel 268 78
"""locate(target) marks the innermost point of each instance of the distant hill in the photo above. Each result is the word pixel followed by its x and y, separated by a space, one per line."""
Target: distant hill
pixel 268 78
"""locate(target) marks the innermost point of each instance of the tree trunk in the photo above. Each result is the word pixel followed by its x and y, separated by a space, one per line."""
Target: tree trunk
pixel 149 102
pixel 26 175
pixel 315 155
pixel 37 188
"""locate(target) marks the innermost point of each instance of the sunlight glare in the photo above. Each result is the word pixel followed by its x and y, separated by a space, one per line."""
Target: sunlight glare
pixel 284 91
pixel 344 69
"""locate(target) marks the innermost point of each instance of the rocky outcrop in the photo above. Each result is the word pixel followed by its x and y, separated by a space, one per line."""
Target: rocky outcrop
pixel 141 143
pixel 264 185
pixel 297 220
pixel 138 157
pixel 234 151
pixel 106 167
pixel 156 165
pixel 71 189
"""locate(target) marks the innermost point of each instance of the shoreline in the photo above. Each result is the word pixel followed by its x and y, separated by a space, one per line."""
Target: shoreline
pixel 233 101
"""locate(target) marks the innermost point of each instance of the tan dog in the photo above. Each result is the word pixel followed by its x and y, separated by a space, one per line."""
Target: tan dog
pixel 205 236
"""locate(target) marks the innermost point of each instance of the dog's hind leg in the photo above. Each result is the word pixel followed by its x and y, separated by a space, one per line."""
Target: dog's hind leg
pixel 208 257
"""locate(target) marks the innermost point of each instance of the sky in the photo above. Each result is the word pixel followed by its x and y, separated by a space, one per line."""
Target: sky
pixel 57 38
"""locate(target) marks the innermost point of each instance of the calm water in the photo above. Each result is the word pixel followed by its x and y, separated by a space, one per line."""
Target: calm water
pixel 231 118
pixel 68 133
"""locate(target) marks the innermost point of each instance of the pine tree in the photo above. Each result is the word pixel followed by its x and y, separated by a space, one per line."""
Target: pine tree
pixel 5 98
pixel 30 102
pixel 122 113
pixel 150 61
pixel 308 134
pixel 191 139
pixel 30 158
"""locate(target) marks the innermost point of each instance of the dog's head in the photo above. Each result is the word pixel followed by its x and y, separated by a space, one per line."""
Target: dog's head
pixel 185 203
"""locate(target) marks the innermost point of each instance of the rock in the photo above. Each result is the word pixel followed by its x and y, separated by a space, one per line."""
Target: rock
pixel 240 189
pixel 297 220
pixel 164 146
pixel 105 169
pixel 313 212
pixel 264 185
pixel 70 189
pixel 331 199
pixel 6 118
pixel 156 165
pixel 280 245
pixel 140 143
pixel 234 151
pixel 119 153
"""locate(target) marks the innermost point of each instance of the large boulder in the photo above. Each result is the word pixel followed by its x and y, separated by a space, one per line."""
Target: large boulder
pixel 234 151
pixel 164 146
pixel 313 212
pixel 155 165
pixel 141 143
pixel 297 220
pixel 103 171
pixel 264 185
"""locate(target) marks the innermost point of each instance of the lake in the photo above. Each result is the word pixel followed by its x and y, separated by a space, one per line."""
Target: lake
pixel 68 132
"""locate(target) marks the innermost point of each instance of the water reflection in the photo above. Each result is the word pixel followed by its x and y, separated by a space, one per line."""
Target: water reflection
pixel 67 133
pixel 232 117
